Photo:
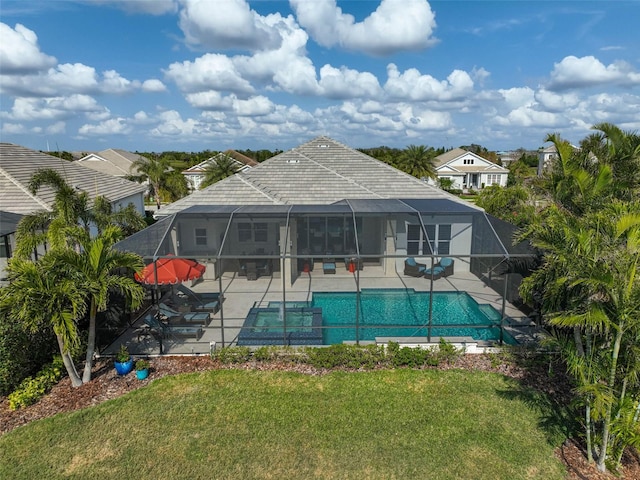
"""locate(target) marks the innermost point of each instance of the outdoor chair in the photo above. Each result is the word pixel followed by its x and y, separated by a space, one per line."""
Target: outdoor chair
pixel 189 317
pixel 165 330
pixel 329 265
pixel 413 268
pixel 201 301
pixel 443 268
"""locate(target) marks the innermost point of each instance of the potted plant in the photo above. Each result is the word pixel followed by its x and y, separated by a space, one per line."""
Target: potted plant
pixel 142 368
pixel 123 362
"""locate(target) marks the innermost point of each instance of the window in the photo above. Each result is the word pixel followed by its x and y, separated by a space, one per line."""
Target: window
pixel 493 179
pixel 201 236
pixel 260 232
pixel 253 232
pixel 439 238
pixel 416 242
pixel 468 161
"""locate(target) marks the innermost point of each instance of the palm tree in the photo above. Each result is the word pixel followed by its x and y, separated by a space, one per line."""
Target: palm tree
pixel 418 160
pixel 163 180
pixel 222 167
pixel 590 288
pixel 97 270
pixel 70 207
pixel 37 295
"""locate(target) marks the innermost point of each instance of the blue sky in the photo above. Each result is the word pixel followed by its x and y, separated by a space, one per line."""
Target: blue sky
pixel 190 75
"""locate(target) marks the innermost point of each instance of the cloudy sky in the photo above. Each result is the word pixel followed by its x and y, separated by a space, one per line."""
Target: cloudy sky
pixel 189 75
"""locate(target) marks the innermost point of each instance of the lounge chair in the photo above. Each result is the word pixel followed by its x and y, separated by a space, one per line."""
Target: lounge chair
pixel 189 317
pixel 413 268
pixel 443 268
pixel 201 301
pixel 165 330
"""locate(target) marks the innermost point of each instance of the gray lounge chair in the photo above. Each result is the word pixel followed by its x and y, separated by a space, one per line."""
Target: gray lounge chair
pixel 413 268
pixel 165 330
pixel 189 317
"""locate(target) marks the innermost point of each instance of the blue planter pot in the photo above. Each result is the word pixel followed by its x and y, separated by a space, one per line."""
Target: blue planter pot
pixel 142 374
pixel 124 367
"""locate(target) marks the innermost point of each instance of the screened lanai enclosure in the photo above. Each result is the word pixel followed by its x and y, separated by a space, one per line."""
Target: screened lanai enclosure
pixel 356 271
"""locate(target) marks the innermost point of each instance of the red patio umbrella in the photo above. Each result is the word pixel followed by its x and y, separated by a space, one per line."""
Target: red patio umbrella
pixel 170 271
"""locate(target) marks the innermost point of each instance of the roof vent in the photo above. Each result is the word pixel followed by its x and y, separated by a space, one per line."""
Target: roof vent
pixel 293 160
pixel 323 145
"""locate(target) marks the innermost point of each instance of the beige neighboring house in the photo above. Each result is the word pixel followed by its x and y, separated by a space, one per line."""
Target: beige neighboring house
pixel 17 166
pixel 195 175
pixel 468 170
pixel 545 156
pixel 111 161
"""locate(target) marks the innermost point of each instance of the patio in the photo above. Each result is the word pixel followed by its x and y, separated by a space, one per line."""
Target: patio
pixel 241 294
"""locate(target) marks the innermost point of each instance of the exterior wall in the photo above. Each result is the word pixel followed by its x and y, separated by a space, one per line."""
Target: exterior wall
pixel 137 200
pixel 486 180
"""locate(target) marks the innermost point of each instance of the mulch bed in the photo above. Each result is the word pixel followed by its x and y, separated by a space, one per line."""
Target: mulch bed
pixel 106 384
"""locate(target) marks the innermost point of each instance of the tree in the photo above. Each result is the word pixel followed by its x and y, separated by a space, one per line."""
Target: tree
pixel 97 269
pixel 591 297
pixel 70 208
pixel 163 180
pixel 418 160
pixel 511 204
pixel 218 169
pixel 38 296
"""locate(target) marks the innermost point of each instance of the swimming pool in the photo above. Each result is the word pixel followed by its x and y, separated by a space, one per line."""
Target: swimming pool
pixel 265 326
pixel 398 313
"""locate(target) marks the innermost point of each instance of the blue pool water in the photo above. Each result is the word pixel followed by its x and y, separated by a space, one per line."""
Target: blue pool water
pixel 402 313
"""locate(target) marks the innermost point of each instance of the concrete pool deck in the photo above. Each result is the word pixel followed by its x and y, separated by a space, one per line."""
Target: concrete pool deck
pixel 241 294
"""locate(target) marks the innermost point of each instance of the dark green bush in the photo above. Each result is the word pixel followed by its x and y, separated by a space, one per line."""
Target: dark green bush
pixel 32 389
pixel 22 353
pixel 232 354
pixel 412 357
pixel 349 356
pixel 447 352
pixel 281 354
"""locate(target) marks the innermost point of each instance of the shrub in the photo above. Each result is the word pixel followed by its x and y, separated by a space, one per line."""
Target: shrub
pixel 123 354
pixel 231 354
pixel 447 352
pixel 344 355
pixel 282 354
pixel 411 357
pixel 22 353
pixel 32 389
pixel 142 364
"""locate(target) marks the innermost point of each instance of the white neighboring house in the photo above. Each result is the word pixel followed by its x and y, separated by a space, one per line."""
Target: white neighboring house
pixel 545 156
pixel 112 161
pixel 195 175
pixel 468 170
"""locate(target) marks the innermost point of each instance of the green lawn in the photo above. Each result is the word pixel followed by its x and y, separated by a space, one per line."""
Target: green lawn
pixel 234 424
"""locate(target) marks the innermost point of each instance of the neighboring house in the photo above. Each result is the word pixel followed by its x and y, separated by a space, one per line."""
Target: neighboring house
pixel 545 156
pixel 18 164
pixel 112 161
pixel 195 175
pixel 468 170
pixel 507 158
pixel 8 227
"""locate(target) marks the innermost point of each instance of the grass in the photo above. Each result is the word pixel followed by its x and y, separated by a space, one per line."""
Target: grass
pixel 230 424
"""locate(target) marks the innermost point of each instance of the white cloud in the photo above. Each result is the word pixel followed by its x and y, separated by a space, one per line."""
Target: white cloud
pixel 153 85
pixel 574 72
pixel 19 51
pixel 411 85
pixel 116 84
pixel 347 83
pixel 555 102
pixel 56 128
pixel 36 109
pixel 210 72
pixel 227 24
pixel 395 26
pixel 113 126
pixel 518 96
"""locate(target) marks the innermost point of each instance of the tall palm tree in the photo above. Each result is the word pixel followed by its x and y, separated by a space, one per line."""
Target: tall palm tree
pixel 37 295
pixel 590 287
pixel 98 269
pixel 163 180
pixel 70 207
pixel 222 167
pixel 418 160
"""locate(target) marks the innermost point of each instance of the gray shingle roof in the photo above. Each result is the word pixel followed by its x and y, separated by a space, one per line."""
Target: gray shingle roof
pixel 321 171
pixel 112 161
pixel 18 164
